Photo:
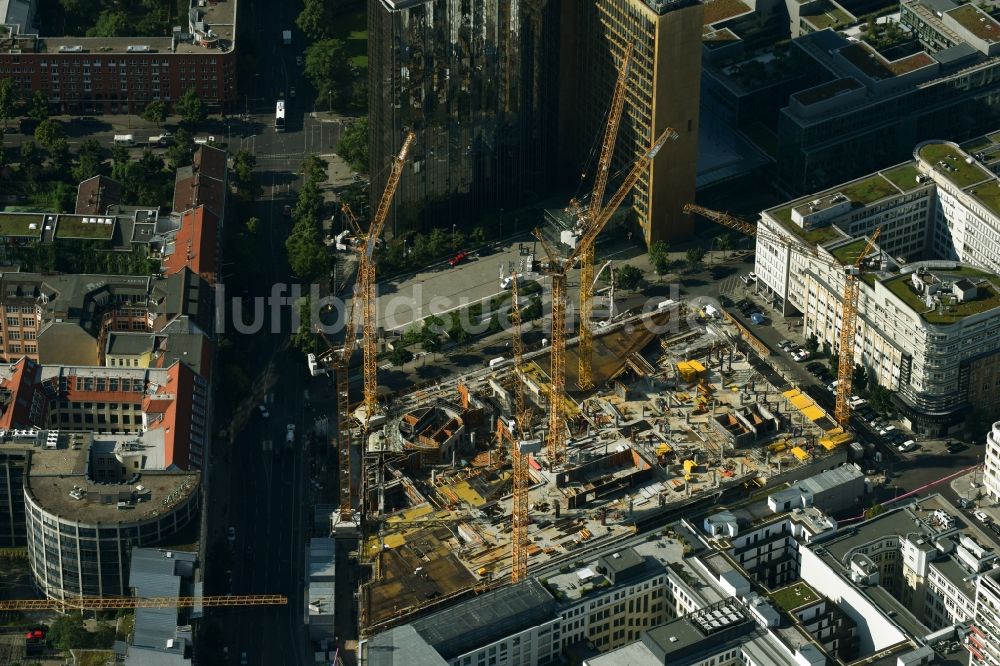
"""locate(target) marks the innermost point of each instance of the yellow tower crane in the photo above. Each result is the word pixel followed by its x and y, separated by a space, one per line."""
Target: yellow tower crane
pixel 364 290
pixel 585 378
pixel 849 307
pixel 557 269
pixel 108 603
pixel 848 326
pixel 519 455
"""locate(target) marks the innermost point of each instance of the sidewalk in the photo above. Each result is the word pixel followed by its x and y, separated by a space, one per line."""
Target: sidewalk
pixel 970 486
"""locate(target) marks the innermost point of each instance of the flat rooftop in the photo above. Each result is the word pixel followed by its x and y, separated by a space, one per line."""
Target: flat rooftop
pixel 825 91
pixel 722 10
pixel 953 163
pixel 976 21
pixel 55 473
pixel 989 296
pixel 219 17
pixel 21 224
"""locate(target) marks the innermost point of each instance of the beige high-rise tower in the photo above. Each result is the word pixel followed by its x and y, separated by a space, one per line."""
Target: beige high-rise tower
pixel 664 89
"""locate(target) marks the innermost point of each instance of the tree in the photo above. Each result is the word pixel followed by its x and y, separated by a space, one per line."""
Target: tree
pixel 628 277
pixel 353 146
pixel 48 132
pixel 68 632
pixel 880 399
pixel 724 243
pixel 110 23
pixel 659 257
pixel 181 153
pixel 478 237
pixel 314 170
pixel 859 378
pixel 190 107
pixel 243 166
pixel 400 355
pixel 431 344
pixel 834 363
pixel 812 343
pixel 876 510
pixel 8 99
pixel 59 157
pixel 304 339
pixel 62 197
pixel 315 19
pixel 155 112
pixel 253 226
pixel 30 160
pixel 326 67
pixel 38 107
pixel 89 162
pixel 694 255
pixel 307 257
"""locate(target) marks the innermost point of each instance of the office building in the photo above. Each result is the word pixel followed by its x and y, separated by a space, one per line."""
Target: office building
pixel 81 75
pixel 162 636
pixel 663 91
pixel 931 280
pixel 983 641
pixel 503 117
pixel 870 110
pixel 476 83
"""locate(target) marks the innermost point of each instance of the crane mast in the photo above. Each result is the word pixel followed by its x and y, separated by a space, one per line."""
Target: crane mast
pixel 364 290
pixel 848 326
pixel 519 459
pixel 586 349
pixel 558 267
pixel 367 277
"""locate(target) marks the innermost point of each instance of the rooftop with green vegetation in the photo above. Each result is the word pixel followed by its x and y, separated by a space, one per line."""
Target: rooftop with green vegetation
pixel 720 10
pixel 869 190
pixel 989 295
pixel 816 236
pixel 21 224
pixel 828 16
pixel 848 253
pixel 904 176
pixel 987 194
pixel 794 596
pixel 79 226
pixel 951 162
pixel 976 21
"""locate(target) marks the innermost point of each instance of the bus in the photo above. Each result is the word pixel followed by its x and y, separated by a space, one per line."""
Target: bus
pixel 279 116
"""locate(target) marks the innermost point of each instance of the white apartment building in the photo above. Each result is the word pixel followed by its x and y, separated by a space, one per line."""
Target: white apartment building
pixel 991 464
pixel 929 303
pixel 983 641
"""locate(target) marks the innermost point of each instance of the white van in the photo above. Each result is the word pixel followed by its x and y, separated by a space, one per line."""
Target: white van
pixel 124 140
pixel 497 361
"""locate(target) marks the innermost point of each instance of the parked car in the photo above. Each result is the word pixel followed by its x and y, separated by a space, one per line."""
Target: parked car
pixel 298 61
pixel 263 412
pixel 756 318
pixel 785 344
pixel 994 526
pixel 964 503
pixel 981 516
pixel 801 355
pixel 286 210
pixel 231 534
pixel 458 258
pixel 752 277
pixel 291 91
pixel 243 659
pixel 906 446
pixel 956 447
pixel 886 430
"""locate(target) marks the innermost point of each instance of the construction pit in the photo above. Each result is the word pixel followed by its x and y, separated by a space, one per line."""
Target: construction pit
pixel 679 417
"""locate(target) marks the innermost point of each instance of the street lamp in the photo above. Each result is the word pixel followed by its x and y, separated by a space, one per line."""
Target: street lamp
pixel 453 236
pixel 501 224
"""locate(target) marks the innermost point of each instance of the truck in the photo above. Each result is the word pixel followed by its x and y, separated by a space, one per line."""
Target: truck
pixel 124 140
pixel 286 37
pixel 161 139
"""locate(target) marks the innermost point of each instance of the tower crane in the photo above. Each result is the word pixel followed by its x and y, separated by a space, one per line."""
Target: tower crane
pixel 557 269
pixel 848 326
pixel 849 306
pixel 519 456
pixel 108 603
pixel 364 290
pixel 585 378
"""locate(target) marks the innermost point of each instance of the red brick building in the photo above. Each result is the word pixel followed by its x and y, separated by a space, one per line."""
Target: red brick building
pixel 84 75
